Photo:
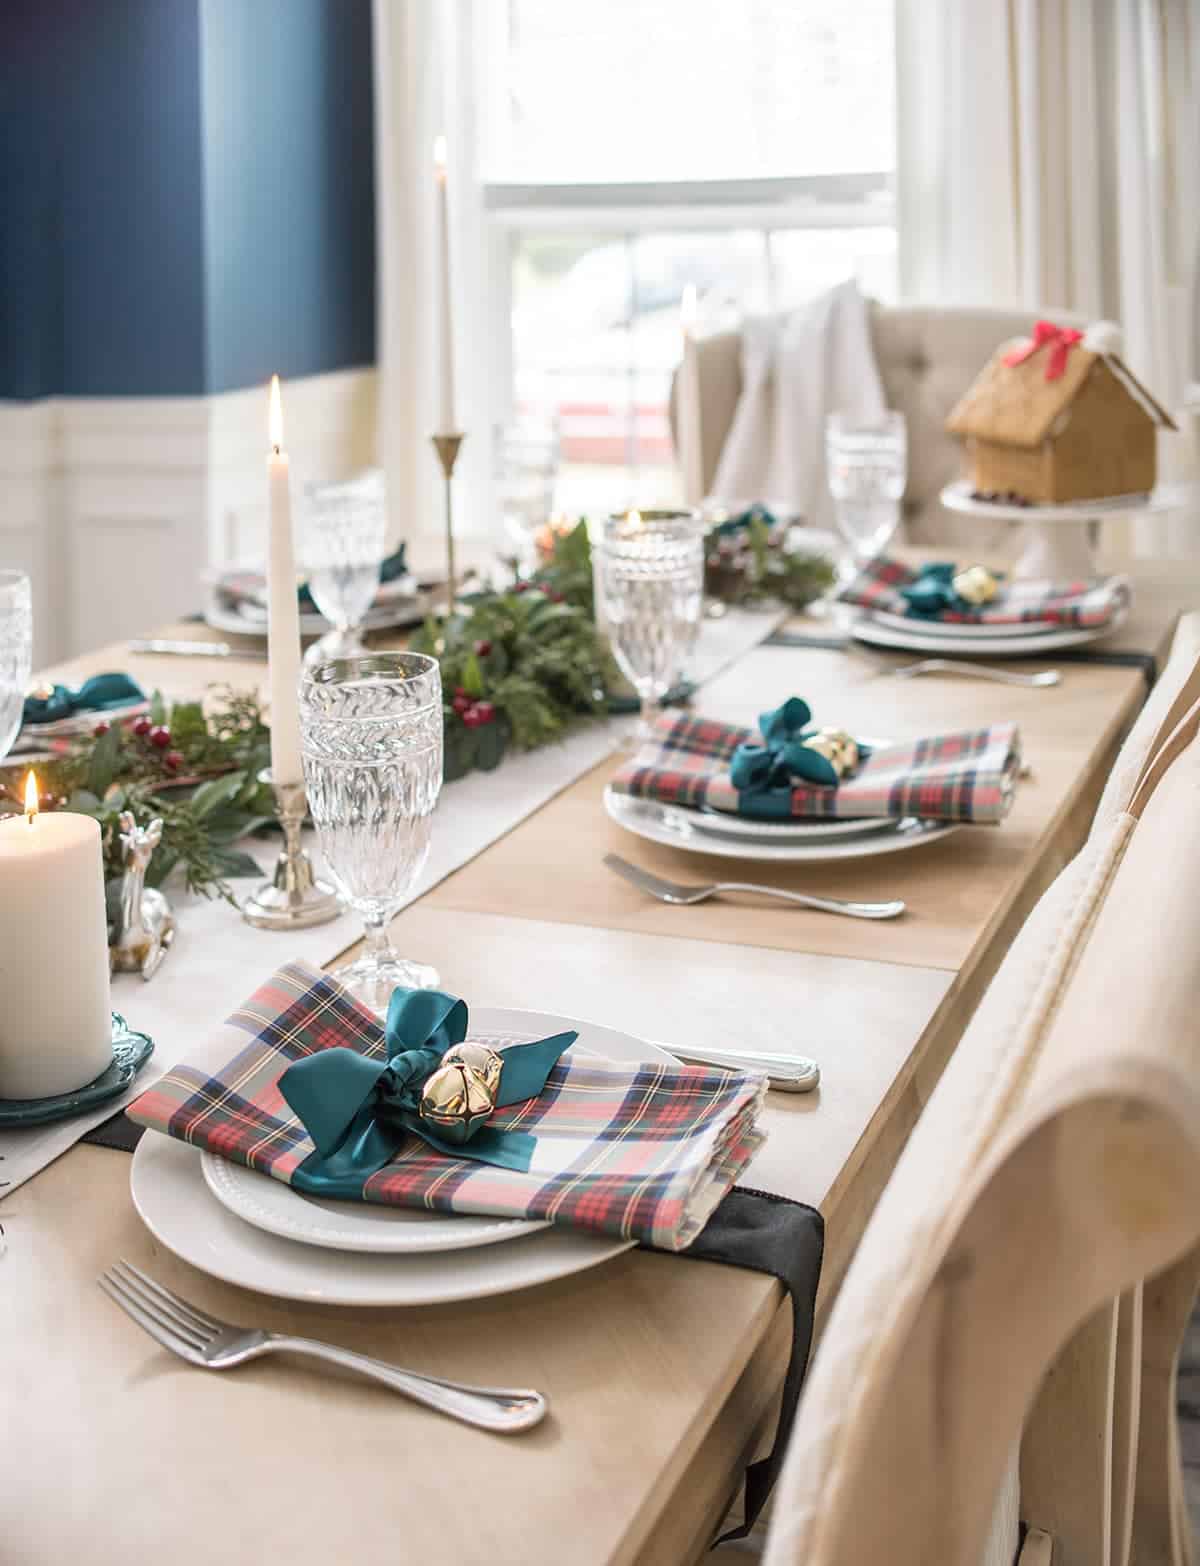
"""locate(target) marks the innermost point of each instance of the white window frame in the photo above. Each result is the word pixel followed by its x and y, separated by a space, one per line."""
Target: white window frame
pixel 628 209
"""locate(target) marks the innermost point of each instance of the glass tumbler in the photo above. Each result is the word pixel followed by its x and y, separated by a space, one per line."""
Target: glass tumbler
pixel 650 575
pixel 371 743
pixel 342 529
pixel 16 653
pixel 866 463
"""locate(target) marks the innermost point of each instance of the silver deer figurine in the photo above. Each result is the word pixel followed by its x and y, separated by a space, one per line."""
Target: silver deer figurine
pixel 145 926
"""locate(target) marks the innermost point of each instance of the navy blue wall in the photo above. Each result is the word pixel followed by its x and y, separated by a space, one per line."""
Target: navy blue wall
pixel 289 186
pixel 185 193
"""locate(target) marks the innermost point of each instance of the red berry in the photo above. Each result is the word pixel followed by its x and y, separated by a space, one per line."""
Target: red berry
pixel 173 760
pixel 485 712
pixel 557 598
pixel 142 727
pixel 521 587
pixel 160 736
pixel 461 704
pixel 101 728
pixel 471 717
pixel 482 648
pixel 460 690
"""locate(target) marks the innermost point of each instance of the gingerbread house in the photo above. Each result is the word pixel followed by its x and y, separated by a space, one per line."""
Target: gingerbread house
pixel 1059 417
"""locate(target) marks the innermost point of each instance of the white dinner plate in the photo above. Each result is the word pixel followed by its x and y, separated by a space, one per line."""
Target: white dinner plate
pixel 654 822
pixel 175 1204
pixel 1018 644
pixel 960 632
pixel 722 823
pixel 362 1226
pixel 389 617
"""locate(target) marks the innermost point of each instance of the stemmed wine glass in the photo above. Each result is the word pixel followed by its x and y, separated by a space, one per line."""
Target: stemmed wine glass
pixel 371 743
pixel 650 574
pixel 16 653
pixel 342 529
pixel 866 462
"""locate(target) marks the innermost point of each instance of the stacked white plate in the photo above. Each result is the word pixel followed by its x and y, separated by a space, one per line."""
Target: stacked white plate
pixel 258 1233
pixel 725 836
pixel 884 629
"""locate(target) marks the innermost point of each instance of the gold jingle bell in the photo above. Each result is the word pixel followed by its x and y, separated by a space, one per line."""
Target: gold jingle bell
pixel 976 585
pixel 839 749
pixel 455 1101
pixel 482 1060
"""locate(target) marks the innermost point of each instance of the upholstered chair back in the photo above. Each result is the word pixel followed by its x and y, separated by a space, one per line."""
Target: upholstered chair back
pixel 1053 1169
pixel 927 358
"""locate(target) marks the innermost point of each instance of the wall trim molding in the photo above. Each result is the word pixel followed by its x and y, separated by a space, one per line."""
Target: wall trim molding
pixel 117 505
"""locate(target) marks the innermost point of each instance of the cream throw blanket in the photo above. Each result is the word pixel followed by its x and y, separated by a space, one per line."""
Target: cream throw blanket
pixel 796 370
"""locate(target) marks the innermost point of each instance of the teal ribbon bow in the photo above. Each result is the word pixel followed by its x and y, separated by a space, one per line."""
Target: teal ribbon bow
pixel 358 1111
pixel 783 757
pixel 931 592
pixel 101 693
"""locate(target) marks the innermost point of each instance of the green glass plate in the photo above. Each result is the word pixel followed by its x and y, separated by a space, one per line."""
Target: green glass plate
pixel 131 1051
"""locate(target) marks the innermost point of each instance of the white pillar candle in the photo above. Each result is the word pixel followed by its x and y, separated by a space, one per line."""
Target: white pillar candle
pixel 446 424
pixel 56 1020
pixel 283 624
pixel 688 420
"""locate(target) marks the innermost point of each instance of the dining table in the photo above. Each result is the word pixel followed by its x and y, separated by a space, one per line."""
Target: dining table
pixel 663 1375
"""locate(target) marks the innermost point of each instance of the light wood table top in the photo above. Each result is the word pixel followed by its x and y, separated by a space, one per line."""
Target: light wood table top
pixel 662 1372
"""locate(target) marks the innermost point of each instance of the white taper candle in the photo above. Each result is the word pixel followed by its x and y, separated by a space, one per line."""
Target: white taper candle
pixel 446 424
pixel 283 624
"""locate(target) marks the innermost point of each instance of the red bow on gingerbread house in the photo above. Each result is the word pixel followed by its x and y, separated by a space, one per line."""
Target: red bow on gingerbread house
pixel 1061 339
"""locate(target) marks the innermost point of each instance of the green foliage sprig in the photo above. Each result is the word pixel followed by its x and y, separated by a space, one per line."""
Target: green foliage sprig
pixel 202 779
pixel 518 668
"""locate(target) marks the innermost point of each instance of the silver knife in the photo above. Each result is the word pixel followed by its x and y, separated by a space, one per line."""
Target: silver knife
pixel 159 648
pixel 785 1073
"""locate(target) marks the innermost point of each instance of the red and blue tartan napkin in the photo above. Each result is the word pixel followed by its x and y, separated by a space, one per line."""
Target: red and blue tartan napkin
pixel 641 1151
pixel 1084 603
pixel 968 776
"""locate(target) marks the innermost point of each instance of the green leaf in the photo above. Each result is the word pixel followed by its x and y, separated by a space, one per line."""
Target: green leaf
pixel 164 860
pixel 491 741
pixel 102 768
pixel 158 708
pixel 232 862
pixel 472 677
pixel 209 797
pixel 85 803
pixel 459 752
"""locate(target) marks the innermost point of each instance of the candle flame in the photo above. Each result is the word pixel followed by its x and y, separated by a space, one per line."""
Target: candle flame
pixel 439 159
pixel 31 796
pixel 275 416
pixel 688 310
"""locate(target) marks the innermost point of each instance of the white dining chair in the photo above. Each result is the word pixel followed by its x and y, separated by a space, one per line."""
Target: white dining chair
pixel 1053 1170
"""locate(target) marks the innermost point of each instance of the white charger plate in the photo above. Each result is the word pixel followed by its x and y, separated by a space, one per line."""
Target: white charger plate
pixel 173 1201
pixel 654 822
pixel 963 632
pixel 866 629
pixel 393 617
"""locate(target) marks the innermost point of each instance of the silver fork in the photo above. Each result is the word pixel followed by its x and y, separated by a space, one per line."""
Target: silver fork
pixel 673 892
pixel 977 671
pixel 216 1345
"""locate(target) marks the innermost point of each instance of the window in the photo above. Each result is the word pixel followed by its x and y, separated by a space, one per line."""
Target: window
pixel 633 147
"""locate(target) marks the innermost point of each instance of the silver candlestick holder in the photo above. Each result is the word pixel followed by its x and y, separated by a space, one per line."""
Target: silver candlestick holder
pixel 447 448
pixel 293 899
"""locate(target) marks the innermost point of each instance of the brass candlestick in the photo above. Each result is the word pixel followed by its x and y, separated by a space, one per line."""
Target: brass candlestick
pixel 447 447
pixel 293 899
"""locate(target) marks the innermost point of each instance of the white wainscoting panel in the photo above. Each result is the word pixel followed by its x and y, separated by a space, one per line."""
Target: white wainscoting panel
pixel 117 505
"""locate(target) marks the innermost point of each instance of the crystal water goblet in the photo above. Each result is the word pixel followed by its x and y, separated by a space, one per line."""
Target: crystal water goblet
pixel 866 463
pixel 371 744
pixel 16 653
pixel 342 528
pixel 651 580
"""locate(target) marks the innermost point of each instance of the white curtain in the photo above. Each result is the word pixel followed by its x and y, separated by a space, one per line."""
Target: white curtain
pixel 1049 156
pixel 424 87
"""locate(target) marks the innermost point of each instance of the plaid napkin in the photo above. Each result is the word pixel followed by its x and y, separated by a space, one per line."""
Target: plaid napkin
pixel 645 1152
pixel 969 776
pixel 1083 603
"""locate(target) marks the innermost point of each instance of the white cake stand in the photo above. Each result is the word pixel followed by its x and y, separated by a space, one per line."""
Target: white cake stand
pixel 1060 541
